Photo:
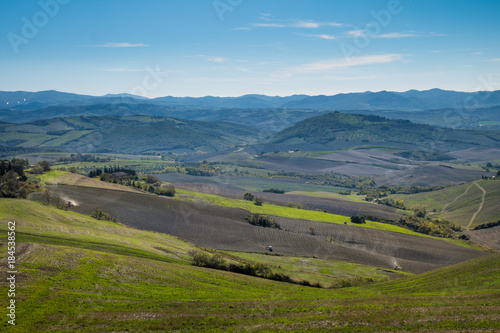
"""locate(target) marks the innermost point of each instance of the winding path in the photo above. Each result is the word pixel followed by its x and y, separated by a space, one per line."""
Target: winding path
pixel 483 197
pixel 458 197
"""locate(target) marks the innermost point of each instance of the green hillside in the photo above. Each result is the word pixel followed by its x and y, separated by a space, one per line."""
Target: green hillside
pixel 461 204
pixel 132 134
pixel 338 128
pixel 117 279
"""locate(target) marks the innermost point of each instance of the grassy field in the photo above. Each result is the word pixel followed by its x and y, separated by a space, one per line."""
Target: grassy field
pixel 63 288
pixel 459 203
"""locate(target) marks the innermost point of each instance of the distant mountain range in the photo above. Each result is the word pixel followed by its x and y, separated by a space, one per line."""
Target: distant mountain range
pixel 437 107
pixel 411 100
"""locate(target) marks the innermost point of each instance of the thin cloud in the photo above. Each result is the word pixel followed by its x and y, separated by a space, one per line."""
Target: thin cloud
pixel 119 45
pixel 302 24
pixel 320 66
pixel 322 36
pixel 494 60
pixel 217 59
pixel 395 35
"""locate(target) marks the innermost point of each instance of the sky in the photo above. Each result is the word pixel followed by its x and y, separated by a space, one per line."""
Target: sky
pixel 196 48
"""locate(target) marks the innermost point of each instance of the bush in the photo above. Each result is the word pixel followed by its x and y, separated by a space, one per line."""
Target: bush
pixel 248 196
pixel 263 221
pixel 100 215
pixel 274 190
pixel 168 190
pixel 359 219
pixel 258 201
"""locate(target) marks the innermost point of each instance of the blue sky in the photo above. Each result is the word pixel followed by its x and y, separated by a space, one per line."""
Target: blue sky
pixel 235 47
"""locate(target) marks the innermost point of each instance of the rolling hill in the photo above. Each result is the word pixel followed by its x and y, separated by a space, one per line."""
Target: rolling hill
pixel 79 274
pixel 134 134
pixel 344 130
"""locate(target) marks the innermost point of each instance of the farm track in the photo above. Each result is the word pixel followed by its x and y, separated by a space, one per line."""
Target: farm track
pixel 456 199
pixel 225 228
pixel 483 198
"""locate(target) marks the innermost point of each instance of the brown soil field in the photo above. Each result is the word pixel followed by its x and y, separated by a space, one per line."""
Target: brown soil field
pixel 225 228
pixel 429 175
pixel 489 237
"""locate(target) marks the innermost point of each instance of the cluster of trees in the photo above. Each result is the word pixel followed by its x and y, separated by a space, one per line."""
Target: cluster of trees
pixel 100 215
pixel 425 225
pixel 250 197
pixel 373 192
pixel 12 178
pixel 216 261
pixel 391 203
pixel 129 177
pixel 274 190
pixel 110 171
pixel 358 219
pixel 82 158
pixel 40 167
pixel 487 225
pixel 263 221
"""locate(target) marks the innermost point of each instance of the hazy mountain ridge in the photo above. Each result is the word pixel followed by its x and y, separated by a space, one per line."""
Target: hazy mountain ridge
pixel 411 100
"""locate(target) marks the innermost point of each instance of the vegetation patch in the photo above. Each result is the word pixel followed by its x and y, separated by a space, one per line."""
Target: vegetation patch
pixel 263 221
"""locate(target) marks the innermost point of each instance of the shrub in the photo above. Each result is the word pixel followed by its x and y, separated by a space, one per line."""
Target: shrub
pixel 258 201
pixel 100 215
pixel 168 190
pixel 248 196
pixel 359 219
pixel 263 221
pixel 274 190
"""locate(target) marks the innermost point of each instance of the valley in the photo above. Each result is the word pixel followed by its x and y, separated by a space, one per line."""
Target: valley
pixel 358 212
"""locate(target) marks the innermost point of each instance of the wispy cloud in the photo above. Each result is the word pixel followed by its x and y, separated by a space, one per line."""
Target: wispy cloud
pixel 359 33
pixel 303 24
pixel 395 35
pixel 320 66
pixel 217 59
pixel 122 69
pixel 494 60
pixel 322 36
pixel 118 45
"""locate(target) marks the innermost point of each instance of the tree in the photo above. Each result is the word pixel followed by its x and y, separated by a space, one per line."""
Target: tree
pixel 258 201
pixel 11 186
pixel 248 196
pixel 358 219
pixel 45 165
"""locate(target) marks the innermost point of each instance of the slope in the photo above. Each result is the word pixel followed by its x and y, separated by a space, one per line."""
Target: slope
pixel 344 130
pixel 66 288
pixel 134 134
